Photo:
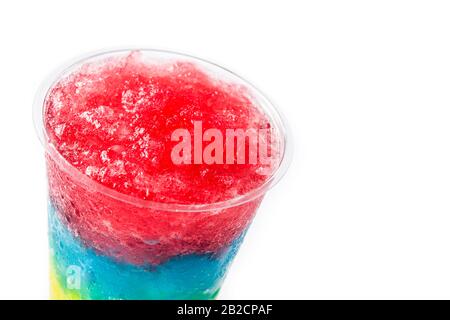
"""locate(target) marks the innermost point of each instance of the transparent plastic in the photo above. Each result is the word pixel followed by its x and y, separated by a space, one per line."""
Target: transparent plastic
pixel 140 269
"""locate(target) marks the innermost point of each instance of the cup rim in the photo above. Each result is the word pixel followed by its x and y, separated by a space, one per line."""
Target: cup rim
pixel 268 107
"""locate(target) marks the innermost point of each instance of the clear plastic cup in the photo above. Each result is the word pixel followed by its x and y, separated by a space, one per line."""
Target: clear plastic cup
pixel 81 209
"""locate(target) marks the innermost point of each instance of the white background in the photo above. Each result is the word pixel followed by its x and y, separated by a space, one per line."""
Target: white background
pixel 364 211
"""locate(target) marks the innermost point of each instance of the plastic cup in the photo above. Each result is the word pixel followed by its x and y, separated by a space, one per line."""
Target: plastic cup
pixel 109 267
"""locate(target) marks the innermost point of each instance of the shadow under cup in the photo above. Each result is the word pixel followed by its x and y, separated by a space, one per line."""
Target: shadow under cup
pixel 108 245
